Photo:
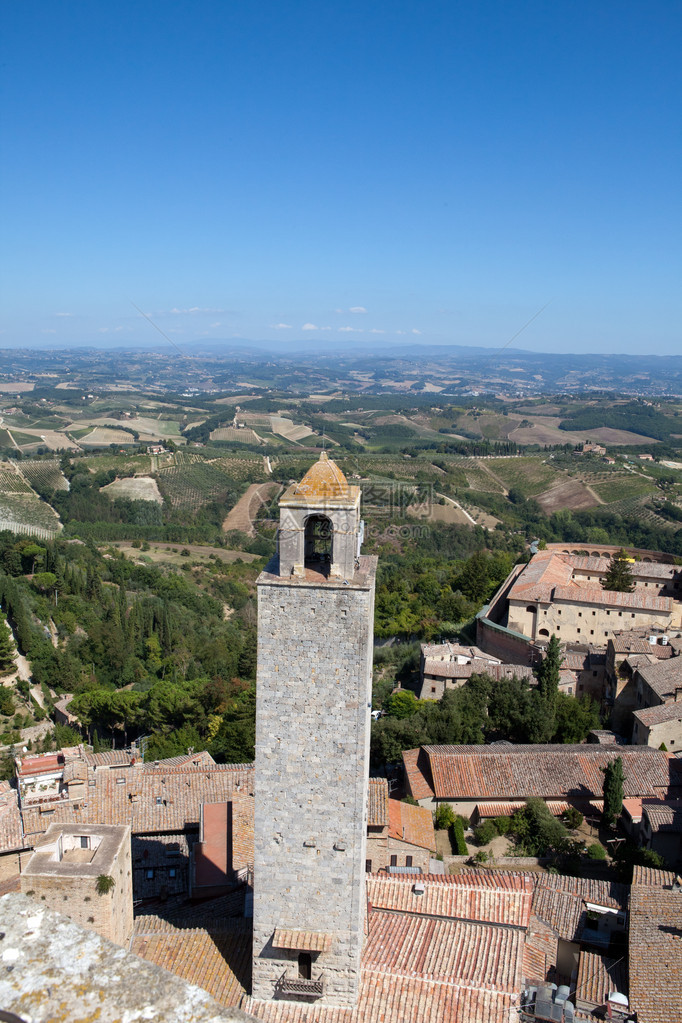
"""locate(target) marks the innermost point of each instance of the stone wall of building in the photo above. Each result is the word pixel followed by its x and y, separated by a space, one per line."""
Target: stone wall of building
pixel 70 886
pixel 312 759
pixel 580 622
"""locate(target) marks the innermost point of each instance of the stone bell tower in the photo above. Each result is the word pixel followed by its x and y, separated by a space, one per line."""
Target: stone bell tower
pixel 315 637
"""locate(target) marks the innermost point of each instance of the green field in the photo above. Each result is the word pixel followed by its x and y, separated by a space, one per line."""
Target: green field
pixel 45 475
pixel 529 475
pixel 619 488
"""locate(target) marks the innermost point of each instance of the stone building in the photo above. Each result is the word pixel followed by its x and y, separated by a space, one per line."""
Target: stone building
pixel 560 591
pixel 399 836
pixel 66 873
pixel 315 630
pixel 446 666
pixel 657 726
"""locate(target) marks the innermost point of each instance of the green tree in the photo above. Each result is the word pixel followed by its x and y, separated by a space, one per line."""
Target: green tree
pixel 443 817
pixel 401 704
pixel 6 647
pixel 613 791
pixel 619 575
pixel 547 674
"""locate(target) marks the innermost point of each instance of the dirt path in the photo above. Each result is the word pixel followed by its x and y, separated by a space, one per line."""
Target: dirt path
pixel 449 500
pixel 243 515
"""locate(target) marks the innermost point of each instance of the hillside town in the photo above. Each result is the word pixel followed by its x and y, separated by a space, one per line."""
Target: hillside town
pixel 303 888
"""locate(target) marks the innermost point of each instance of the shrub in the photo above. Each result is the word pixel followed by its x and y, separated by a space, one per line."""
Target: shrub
pixel 444 817
pixel 503 825
pixel 410 800
pixel 596 851
pixel 572 818
pixel 457 836
pixel 105 883
pixel 481 856
pixel 485 832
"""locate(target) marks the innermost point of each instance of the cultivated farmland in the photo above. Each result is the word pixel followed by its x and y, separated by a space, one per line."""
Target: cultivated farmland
pixel 134 488
pixel 21 510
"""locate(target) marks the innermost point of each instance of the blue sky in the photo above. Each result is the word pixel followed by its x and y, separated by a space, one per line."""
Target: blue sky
pixel 433 171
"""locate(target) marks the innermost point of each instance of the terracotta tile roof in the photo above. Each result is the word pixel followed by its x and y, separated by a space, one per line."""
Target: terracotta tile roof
pixel 655 942
pixel 11 833
pixel 39 763
pixel 544 571
pixel 657 715
pixel 471 953
pixel 482 896
pixel 149 799
pixel 560 901
pixel 413 824
pixel 635 643
pixel 517 772
pixel 663 677
pixel 377 802
pixel 107 758
pixel 665 816
pixel 385 998
pixel 639 598
pixel 540 951
pixel 416 969
pixel 306 941
pixel 323 481
pixel 555 806
pixel 216 957
pixel 478 666
pixel 598 975
pixel 418 773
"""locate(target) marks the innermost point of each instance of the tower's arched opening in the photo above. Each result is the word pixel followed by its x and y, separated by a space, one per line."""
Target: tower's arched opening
pixel 319 542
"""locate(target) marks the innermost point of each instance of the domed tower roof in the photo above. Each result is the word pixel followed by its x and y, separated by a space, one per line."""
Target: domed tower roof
pixel 323 480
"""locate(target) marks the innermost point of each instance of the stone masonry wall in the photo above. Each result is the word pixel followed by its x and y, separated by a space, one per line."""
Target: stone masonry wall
pixel 75 896
pixel 312 759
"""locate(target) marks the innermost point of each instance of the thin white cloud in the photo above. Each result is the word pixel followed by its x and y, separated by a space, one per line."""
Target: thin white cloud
pixel 63 314
pixel 351 330
pixel 193 310
pixel 400 331
pixel 339 311
pixel 415 331
pixel 48 330
pixel 281 326
pixel 213 325
pixel 357 309
pixel 309 326
pixel 375 330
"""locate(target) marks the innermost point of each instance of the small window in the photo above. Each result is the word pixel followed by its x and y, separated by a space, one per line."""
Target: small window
pixel 368 866
pixel 433 689
pixel 570 690
pixel 408 861
pixel 149 874
pixel 591 632
pixel 305 965
pixel 578 631
pixel 394 861
pixel 159 800
pixel 85 842
pixel 172 872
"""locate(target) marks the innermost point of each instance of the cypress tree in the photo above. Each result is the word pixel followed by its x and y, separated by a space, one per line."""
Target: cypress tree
pixel 613 791
pixel 547 674
pixel 6 647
